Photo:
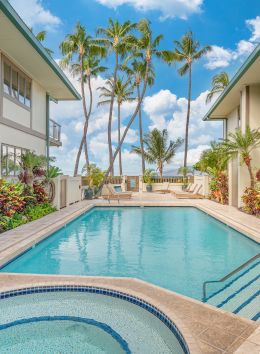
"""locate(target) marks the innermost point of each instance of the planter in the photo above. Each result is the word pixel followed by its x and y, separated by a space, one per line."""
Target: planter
pixel 88 193
pixel 149 188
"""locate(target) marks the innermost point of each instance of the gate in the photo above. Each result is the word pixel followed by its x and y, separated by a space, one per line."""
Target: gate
pixel 132 183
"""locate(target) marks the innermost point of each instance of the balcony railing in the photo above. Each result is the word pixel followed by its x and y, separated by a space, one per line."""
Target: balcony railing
pixel 54 132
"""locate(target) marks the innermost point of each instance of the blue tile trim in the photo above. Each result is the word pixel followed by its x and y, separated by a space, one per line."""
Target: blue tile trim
pixel 235 279
pixel 256 317
pixel 108 292
pixel 250 299
pixel 123 344
pixel 238 291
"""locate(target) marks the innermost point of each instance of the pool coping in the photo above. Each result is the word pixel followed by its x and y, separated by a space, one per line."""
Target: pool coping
pixel 26 237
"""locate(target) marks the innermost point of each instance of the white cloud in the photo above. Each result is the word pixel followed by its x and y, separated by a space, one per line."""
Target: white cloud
pixel 218 57
pixel 168 8
pixel 33 13
pixel 254 25
pixel 166 110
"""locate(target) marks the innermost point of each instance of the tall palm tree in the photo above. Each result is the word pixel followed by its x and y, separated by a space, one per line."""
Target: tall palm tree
pixel 123 93
pixel 243 144
pixel 147 46
pixel 186 50
pixel 219 83
pixel 116 39
pixel 136 72
pixel 157 149
pixel 77 48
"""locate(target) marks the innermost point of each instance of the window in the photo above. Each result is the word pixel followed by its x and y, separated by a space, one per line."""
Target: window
pixel 10 160
pixel 16 84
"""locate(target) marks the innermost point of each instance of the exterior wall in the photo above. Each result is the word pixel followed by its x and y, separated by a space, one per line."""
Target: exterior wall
pixel 21 126
pixel 232 125
pixel 254 119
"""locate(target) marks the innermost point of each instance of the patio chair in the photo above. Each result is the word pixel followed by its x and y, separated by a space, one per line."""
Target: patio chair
pixel 190 189
pixel 113 195
pixel 165 188
pixel 193 195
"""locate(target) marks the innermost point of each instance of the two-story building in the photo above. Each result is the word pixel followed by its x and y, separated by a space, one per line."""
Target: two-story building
pixel 29 79
pixel 239 106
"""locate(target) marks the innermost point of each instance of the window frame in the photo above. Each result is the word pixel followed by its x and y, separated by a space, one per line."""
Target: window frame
pixel 21 77
pixel 15 171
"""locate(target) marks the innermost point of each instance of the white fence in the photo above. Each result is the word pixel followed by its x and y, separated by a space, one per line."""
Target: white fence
pixel 68 190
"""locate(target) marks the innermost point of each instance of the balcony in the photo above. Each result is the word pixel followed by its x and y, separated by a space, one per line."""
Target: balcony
pixel 54 133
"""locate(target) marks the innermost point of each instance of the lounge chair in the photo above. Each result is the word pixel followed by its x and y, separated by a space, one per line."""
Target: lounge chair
pixel 190 189
pixel 113 195
pixel 165 188
pixel 194 195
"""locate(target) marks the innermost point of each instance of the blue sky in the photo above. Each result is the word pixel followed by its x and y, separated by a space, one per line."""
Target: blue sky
pixel 231 27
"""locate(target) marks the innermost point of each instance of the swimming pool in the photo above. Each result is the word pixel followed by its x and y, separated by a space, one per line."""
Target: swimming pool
pixel 71 319
pixel 177 248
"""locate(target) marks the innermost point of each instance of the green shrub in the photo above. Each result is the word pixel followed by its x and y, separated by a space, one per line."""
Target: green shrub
pixel 38 211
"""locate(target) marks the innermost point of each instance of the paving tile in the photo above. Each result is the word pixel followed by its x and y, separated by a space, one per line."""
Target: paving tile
pixel 218 338
pixel 248 348
pixel 208 349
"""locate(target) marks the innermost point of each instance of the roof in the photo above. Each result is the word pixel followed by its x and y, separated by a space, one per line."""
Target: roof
pixel 248 74
pixel 20 44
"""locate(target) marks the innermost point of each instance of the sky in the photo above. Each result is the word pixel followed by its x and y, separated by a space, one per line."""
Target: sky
pixel 231 27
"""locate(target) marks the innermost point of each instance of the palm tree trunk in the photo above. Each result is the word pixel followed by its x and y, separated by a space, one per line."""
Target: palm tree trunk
pixel 126 129
pixel 252 178
pixel 120 151
pixel 86 120
pixel 109 129
pixel 141 132
pixel 187 121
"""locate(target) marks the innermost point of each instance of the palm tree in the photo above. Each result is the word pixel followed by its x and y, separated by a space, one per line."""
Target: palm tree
pixel 243 144
pixel 41 36
pixel 116 39
pixel 186 50
pixel 123 93
pixel 147 46
pixel 136 72
pixel 81 47
pixel 157 149
pixel 219 83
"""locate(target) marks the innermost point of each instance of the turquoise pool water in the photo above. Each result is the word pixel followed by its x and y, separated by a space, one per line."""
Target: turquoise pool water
pixel 174 247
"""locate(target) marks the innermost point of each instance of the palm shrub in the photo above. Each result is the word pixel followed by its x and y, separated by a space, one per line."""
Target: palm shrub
pixel 243 144
pixel 157 149
pixel 219 83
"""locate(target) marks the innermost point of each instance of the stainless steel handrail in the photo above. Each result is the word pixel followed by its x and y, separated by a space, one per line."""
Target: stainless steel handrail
pixel 226 276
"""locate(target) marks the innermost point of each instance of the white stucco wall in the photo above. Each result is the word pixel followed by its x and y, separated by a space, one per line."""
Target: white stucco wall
pixel 254 119
pixel 16 113
pixel 38 108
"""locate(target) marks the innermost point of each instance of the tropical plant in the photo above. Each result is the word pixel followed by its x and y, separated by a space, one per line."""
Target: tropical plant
pixel 41 36
pixel 32 166
pixel 51 173
pixel 117 39
pixel 94 175
pixel 123 93
pixel 251 200
pixel 81 55
pixel 148 176
pixel 186 50
pixel 157 149
pixel 243 144
pixel 213 161
pixel 219 83
pixel 136 73
pixel 12 198
pixel 219 188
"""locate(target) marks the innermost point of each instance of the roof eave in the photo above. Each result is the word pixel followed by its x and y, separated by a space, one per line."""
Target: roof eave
pixel 250 60
pixel 22 28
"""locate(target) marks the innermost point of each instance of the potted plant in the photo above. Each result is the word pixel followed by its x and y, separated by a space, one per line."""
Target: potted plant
pixel 94 178
pixel 148 179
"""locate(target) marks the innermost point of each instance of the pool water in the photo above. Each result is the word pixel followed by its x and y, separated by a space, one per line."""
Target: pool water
pixel 29 324
pixel 177 248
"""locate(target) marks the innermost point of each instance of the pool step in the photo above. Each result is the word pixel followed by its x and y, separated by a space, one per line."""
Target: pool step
pixel 241 293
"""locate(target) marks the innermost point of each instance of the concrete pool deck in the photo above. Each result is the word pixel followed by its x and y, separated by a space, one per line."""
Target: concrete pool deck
pixel 205 328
